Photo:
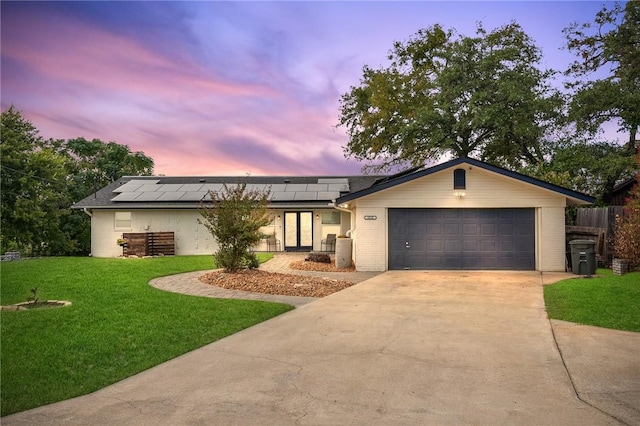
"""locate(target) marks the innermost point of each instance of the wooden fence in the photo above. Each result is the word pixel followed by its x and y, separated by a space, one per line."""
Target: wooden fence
pixel 149 243
pixel 596 224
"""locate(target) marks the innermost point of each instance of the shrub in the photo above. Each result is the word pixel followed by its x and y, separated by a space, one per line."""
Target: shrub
pixel 234 219
pixel 627 235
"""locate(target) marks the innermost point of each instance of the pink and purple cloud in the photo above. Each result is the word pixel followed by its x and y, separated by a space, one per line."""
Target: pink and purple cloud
pixel 226 88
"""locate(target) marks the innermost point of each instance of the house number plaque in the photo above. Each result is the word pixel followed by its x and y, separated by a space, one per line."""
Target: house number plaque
pixel 370 217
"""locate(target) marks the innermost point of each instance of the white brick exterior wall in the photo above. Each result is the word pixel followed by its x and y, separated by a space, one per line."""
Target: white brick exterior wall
pixel 552 247
pixel 191 236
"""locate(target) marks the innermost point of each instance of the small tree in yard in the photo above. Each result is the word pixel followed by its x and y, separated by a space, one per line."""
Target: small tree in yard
pixel 234 218
pixel 627 235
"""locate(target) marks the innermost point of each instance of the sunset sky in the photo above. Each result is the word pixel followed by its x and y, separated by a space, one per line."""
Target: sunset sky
pixel 227 88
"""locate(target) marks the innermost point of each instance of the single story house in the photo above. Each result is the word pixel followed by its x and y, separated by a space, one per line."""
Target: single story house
pixel 462 214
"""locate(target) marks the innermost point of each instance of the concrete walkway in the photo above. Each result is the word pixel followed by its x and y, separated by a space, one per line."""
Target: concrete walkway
pixel 402 348
pixel 604 366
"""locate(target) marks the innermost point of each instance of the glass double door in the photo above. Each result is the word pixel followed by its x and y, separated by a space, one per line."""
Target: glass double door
pixel 298 231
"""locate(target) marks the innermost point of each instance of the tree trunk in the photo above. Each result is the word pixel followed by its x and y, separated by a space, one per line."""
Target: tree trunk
pixel 632 140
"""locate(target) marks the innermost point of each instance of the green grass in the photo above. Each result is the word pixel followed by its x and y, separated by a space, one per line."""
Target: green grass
pixel 117 325
pixel 608 300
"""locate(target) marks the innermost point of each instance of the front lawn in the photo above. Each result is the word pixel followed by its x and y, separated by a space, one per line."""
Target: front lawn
pixel 608 300
pixel 117 325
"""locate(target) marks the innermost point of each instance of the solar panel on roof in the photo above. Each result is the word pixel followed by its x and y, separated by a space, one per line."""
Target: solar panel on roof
pixel 296 187
pixel 190 187
pixel 148 188
pixel 216 187
pixel 170 187
pixel 194 196
pixel 256 187
pixel 305 196
pixel 127 188
pixel 149 196
pixel 277 187
pixel 133 185
pixel 317 187
pixel 282 196
pixel 170 196
pixel 151 190
pixel 126 196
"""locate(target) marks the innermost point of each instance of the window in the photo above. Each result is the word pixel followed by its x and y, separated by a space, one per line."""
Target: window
pixel 331 218
pixel 122 220
pixel 459 179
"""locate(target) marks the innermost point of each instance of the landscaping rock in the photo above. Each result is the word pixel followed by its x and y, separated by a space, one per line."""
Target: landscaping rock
pixel 302 265
pixel 318 257
pixel 257 281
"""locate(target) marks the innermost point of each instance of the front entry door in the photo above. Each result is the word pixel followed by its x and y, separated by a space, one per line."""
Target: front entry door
pixel 298 231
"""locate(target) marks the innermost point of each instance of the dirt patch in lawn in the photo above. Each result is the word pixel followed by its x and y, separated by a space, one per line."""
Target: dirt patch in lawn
pixel 275 283
pixel 41 304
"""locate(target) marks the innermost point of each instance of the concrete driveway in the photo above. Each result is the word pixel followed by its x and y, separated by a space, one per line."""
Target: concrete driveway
pixel 401 348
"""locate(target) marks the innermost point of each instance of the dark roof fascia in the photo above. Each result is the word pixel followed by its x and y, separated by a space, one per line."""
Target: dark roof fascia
pixel 322 204
pixel 437 168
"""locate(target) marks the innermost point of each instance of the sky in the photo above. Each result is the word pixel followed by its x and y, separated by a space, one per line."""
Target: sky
pixel 228 88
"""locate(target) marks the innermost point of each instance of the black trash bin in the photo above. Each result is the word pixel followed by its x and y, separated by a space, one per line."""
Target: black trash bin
pixel 583 257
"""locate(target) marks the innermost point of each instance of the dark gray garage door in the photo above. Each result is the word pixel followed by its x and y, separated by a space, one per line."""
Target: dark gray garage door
pixel 462 239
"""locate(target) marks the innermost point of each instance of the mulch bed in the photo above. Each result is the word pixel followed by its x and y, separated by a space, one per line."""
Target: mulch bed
pixel 274 283
pixel 303 265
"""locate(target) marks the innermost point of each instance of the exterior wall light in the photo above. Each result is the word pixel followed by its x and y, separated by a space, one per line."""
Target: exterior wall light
pixel 459 194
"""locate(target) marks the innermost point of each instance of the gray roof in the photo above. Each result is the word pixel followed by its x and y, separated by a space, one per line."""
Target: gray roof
pixel 171 192
pixel 159 192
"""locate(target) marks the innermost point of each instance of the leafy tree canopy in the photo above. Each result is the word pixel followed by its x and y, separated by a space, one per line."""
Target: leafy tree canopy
pixel 586 166
pixel 41 179
pixel 445 94
pixel 609 46
pixel 32 188
pixel 96 163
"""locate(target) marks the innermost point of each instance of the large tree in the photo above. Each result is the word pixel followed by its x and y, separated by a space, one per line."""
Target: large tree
pixel 99 163
pixel 446 94
pixel 41 179
pixel 607 70
pixel 94 164
pixel 33 189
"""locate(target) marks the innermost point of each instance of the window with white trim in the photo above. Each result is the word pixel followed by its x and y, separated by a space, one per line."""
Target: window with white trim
pixel 122 220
